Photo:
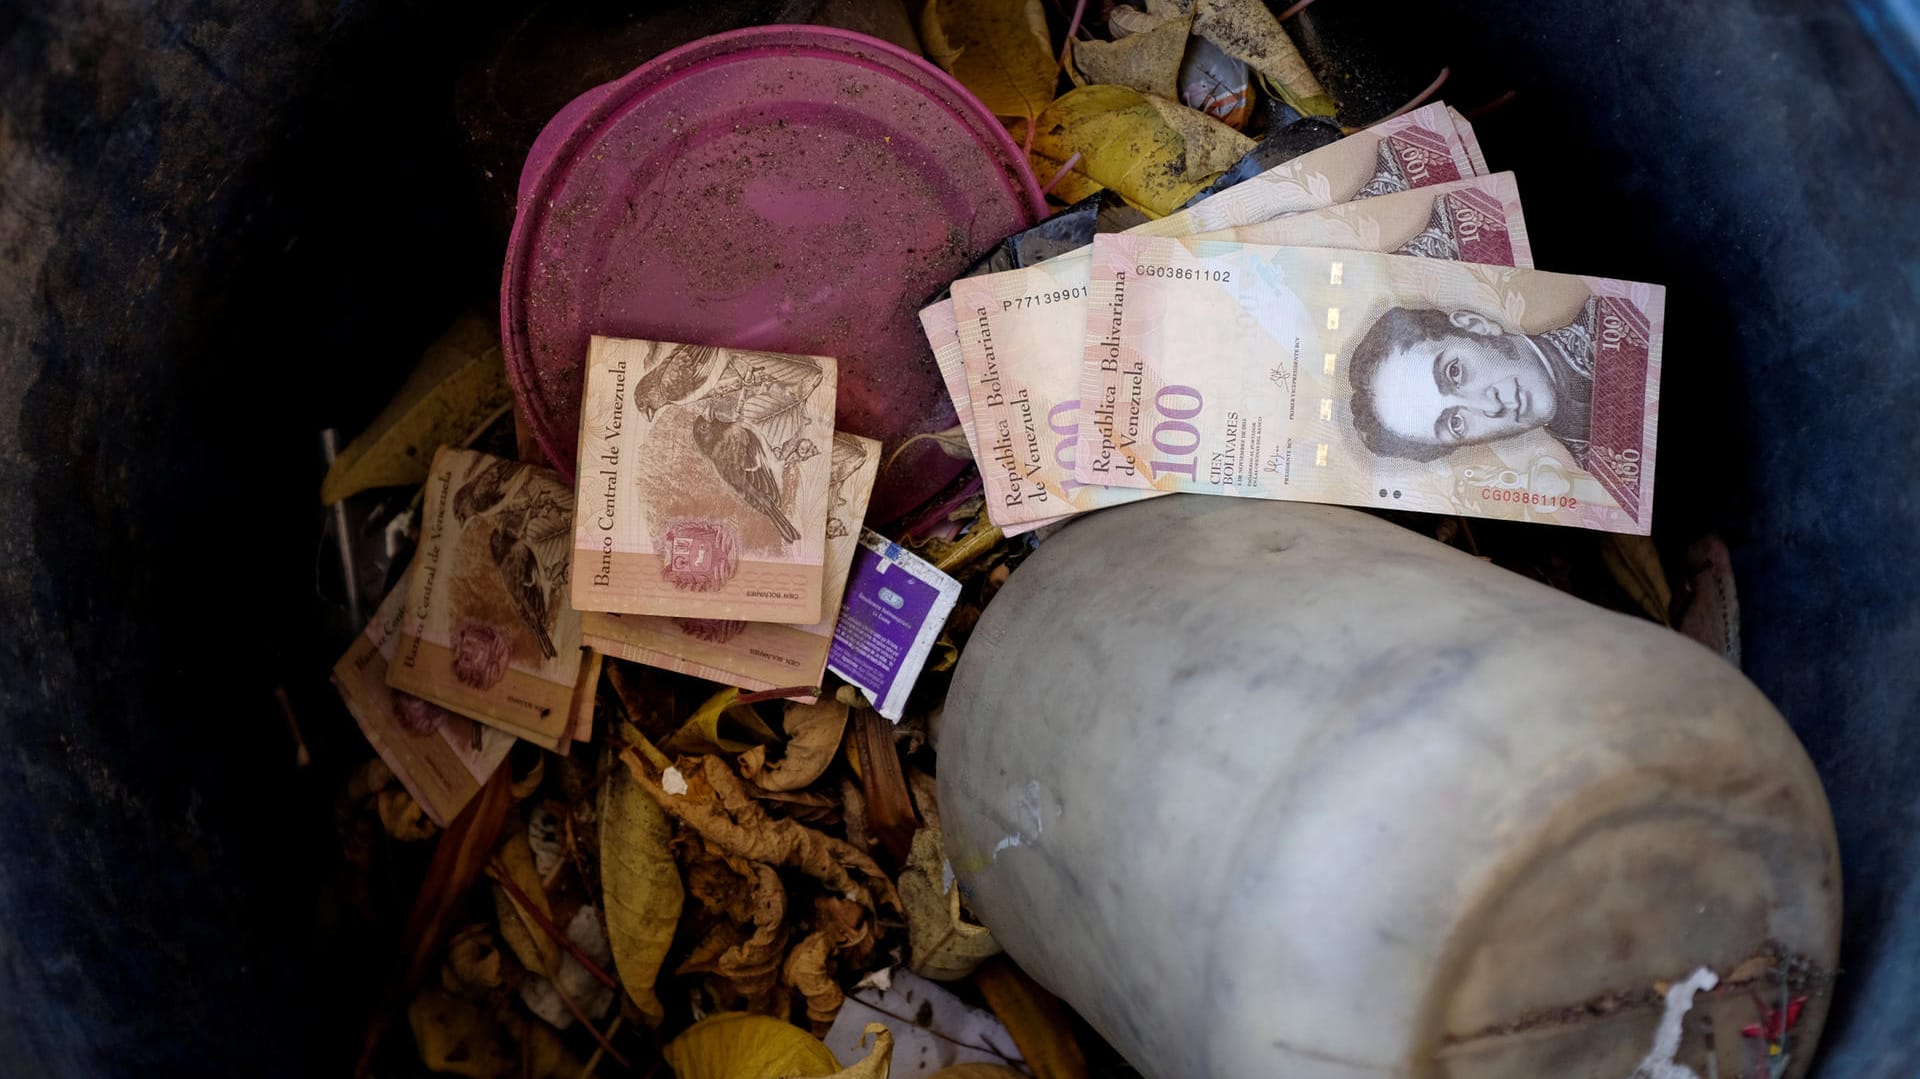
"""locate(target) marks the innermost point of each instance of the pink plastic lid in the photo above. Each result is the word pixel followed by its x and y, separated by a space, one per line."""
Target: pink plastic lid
pixel 789 188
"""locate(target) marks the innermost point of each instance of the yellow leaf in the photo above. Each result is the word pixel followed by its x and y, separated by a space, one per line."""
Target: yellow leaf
pixel 642 884
pixel 878 1061
pixel 1157 156
pixel 460 1038
pixel 999 49
pixel 1070 187
pixel 945 654
pixel 813 737
pixel 735 1045
pixel 721 726
pixel 1212 147
pixel 1148 61
pixel 524 936
pixel 978 1071
pixel 1635 563
pixel 458 384
pixel 1041 1025
pixel 944 945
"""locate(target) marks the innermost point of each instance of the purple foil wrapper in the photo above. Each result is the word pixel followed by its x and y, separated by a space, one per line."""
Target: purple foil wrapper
pixel 895 604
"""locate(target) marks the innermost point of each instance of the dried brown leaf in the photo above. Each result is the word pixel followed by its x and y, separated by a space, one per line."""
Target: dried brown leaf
pixel 547 838
pixel 889 805
pixel 545 1054
pixel 944 945
pixel 644 696
pixel 522 932
pixel 813 737
pixel 878 1062
pixel 1041 1025
pixel 718 806
pixel 1147 60
pixel 850 927
pixel 808 969
pixel 945 653
pixel 641 885
pixel 457 862
pixel 747 958
pixel 458 859
pixel 403 818
pixel 460 1038
pixel 524 786
pixel 854 805
pixel 473 962
pixel 1634 563
pixel 926 797
pixel 364 782
pixel 807 807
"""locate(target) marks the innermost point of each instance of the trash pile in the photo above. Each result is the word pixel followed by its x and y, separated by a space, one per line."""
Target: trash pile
pixel 666 711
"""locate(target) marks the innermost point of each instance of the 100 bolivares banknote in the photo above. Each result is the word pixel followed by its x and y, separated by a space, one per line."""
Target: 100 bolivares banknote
pixel 1022 337
pixel 1429 146
pixel 1324 375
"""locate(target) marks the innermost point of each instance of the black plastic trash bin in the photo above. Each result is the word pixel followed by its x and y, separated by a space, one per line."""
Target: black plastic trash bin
pixel 225 225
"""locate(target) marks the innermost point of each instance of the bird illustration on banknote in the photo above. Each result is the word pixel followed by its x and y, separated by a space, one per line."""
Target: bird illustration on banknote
pixel 529 542
pixel 752 420
pixel 684 372
pixel 742 459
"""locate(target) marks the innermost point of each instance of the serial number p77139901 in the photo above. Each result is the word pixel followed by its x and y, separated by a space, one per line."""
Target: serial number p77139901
pixel 1184 273
pixel 1059 295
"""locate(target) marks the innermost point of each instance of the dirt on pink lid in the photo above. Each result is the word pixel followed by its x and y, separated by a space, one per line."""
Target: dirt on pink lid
pixel 788 188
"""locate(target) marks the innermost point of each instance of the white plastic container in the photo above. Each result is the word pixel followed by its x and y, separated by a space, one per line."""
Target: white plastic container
pixel 1274 791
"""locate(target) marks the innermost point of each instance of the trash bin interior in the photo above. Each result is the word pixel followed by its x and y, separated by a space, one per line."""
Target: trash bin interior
pixel 224 229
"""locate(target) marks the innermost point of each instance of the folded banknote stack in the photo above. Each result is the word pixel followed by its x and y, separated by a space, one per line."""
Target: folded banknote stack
pixel 1360 325
pixel 475 646
pixel 713 529
pixel 719 510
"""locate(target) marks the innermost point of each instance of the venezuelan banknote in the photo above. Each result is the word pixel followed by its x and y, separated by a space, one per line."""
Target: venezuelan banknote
pixel 486 630
pixel 1022 335
pixel 1323 375
pixel 757 656
pixel 1429 146
pixel 703 482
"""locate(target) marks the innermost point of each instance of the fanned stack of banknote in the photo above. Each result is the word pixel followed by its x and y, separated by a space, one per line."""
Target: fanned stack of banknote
pixel 1360 325
pixel 719 511
pixel 475 645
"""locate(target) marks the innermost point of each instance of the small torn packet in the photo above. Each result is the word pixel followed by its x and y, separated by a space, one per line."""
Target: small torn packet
pixel 896 603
